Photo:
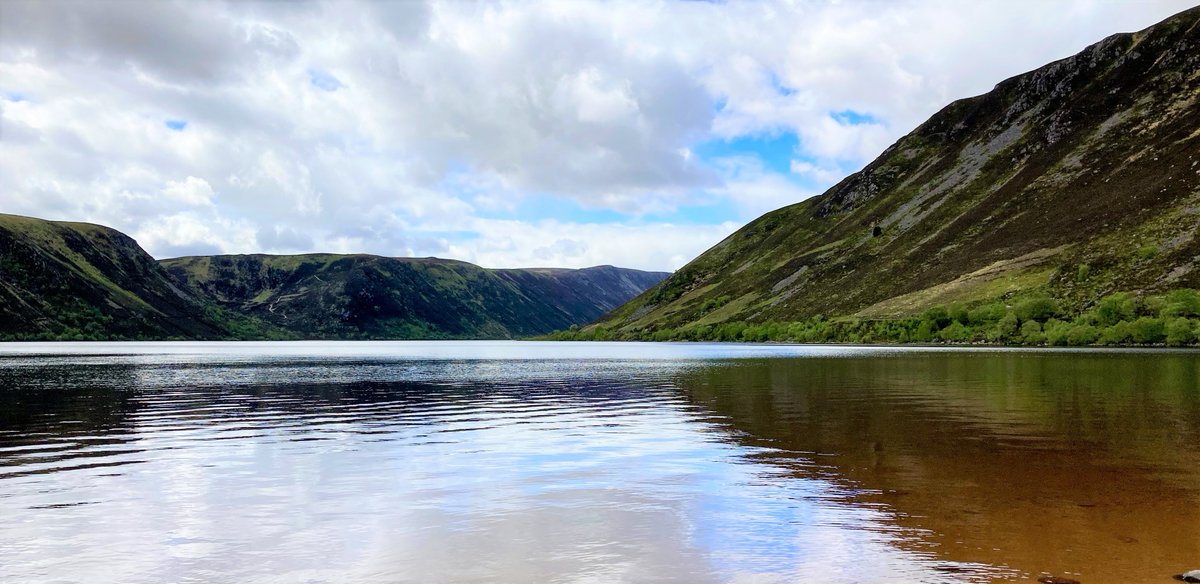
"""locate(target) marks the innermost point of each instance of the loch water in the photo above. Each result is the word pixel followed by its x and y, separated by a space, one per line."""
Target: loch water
pixel 387 462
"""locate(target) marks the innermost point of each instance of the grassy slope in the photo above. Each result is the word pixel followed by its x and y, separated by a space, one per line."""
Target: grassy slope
pixel 1090 161
pixel 83 281
pixel 365 296
pixel 76 281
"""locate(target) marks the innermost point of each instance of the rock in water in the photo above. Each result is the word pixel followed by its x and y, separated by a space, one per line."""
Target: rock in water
pixel 1191 576
pixel 1057 580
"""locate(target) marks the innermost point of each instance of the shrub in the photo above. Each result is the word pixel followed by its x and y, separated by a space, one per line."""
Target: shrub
pixel 938 316
pixel 924 332
pixel 986 313
pixel 955 333
pixel 1082 334
pixel 1083 273
pixel 754 333
pixel 1115 308
pixel 958 313
pixel 1007 326
pixel 1056 332
pixel 731 331
pixel 1182 302
pixel 1040 309
pixel 1180 333
pixel 1031 333
pixel 1117 334
pixel 1147 330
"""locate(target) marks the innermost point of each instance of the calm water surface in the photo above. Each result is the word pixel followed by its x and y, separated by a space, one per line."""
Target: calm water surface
pixel 582 462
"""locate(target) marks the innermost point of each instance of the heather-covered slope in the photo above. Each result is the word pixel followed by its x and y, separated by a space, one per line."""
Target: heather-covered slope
pixel 365 296
pixel 77 281
pixel 83 281
pixel 1075 180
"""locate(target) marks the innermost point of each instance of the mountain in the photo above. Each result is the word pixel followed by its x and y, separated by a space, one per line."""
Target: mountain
pixel 366 296
pixel 77 281
pixel 1068 183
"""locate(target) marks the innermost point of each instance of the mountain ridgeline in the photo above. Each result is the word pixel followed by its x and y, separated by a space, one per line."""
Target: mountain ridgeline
pixel 84 281
pixel 1063 186
pixel 351 296
pixel 77 281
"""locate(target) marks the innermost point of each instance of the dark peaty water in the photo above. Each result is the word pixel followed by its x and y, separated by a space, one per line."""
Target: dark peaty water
pixel 581 462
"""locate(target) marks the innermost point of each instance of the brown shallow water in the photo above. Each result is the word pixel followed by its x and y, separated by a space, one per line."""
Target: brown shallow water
pixel 580 462
pixel 1078 465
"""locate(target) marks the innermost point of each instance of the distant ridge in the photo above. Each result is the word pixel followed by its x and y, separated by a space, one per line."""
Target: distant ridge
pixel 61 280
pixel 341 296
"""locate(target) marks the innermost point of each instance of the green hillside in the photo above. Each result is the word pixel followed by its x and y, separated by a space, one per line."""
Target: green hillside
pixel 365 296
pixel 77 281
pixel 1067 184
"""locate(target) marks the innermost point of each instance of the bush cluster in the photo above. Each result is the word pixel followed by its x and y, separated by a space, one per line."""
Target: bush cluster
pixel 1118 319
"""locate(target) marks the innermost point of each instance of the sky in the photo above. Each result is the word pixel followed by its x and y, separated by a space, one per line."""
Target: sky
pixel 523 134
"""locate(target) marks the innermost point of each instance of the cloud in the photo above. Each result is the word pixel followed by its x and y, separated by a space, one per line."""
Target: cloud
pixel 657 246
pixel 407 128
pixel 189 191
pixel 282 239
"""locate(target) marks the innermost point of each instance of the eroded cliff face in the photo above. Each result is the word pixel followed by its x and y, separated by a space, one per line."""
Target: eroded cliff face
pixel 1089 165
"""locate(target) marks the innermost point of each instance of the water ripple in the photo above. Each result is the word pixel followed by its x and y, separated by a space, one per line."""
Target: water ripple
pixel 361 465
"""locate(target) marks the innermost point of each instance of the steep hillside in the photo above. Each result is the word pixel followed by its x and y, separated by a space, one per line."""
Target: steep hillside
pixel 1073 181
pixel 77 281
pixel 364 296
pixel 83 281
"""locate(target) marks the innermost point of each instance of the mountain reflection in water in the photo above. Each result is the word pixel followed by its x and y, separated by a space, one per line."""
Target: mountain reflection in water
pixel 427 462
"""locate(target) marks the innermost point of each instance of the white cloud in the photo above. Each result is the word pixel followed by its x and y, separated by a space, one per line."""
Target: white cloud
pixel 189 191
pixel 406 128
pixel 659 246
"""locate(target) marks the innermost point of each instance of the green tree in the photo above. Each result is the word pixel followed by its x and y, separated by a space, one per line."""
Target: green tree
pixel 1031 333
pixel 1117 334
pixel 1039 309
pixel 1147 330
pixel 924 332
pixel 986 313
pixel 1114 308
pixel 1082 334
pixel 1007 327
pixel 1180 332
pixel 1183 302
pixel 1057 332
pixel 956 332
pixel 938 316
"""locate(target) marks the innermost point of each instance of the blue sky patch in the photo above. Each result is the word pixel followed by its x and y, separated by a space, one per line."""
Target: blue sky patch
pixel 780 88
pixel 853 118
pixel 324 81
pixel 714 213
pixel 14 96
pixel 776 151
pixel 177 125
pixel 535 208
